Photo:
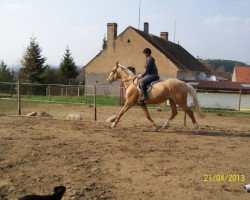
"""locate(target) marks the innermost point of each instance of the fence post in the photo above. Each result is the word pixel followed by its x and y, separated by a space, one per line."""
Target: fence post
pixel 11 90
pixel 95 117
pixel 49 92
pixel 85 93
pixel 185 118
pixel 121 95
pixel 18 97
pixel 78 91
pixel 239 101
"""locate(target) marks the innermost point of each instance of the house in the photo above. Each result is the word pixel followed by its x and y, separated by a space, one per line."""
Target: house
pixel 241 74
pixel 172 60
pixel 222 76
pixel 81 77
pixel 222 94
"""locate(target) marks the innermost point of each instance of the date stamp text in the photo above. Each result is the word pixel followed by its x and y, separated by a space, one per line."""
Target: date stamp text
pixel 223 178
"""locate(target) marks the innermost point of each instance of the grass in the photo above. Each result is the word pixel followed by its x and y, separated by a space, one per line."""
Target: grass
pixel 100 100
pixel 226 111
pixel 10 104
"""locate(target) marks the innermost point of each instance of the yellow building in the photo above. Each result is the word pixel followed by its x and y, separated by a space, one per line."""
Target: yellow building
pixel 172 60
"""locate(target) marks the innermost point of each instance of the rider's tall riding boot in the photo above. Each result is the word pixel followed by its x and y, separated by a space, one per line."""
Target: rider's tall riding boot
pixel 143 96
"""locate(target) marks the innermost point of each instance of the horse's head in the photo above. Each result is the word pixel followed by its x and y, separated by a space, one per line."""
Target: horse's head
pixel 114 75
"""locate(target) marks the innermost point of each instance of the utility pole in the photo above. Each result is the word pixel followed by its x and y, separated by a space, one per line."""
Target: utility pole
pixel 139 22
pixel 174 29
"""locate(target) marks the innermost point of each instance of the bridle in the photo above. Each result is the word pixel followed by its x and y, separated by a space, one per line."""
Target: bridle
pixel 131 79
pixel 113 72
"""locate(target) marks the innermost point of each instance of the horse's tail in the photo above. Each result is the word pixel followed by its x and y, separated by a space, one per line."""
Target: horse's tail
pixel 192 92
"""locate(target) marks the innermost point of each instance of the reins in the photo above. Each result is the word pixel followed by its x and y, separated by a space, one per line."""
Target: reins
pixel 133 81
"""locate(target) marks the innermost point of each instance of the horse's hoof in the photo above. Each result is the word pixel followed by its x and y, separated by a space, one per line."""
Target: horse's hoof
pixel 166 127
pixel 196 125
pixel 157 128
pixel 113 125
pixel 160 129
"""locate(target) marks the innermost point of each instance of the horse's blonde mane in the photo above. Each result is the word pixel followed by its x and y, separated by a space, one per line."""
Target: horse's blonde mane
pixel 126 70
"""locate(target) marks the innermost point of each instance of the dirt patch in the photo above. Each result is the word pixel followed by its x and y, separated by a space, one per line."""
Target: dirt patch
pixel 129 162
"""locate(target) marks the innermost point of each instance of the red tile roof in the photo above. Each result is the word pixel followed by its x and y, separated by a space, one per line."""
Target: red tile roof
pixel 242 74
pixel 220 85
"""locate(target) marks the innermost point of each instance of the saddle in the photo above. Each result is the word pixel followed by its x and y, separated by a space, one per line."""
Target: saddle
pixel 149 86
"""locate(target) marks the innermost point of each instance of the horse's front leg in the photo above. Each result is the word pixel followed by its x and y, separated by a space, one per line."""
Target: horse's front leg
pixel 124 109
pixel 146 113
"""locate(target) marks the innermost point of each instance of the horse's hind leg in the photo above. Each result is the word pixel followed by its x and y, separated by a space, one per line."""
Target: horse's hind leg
pixel 174 113
pixel 191 115
pixel 146 113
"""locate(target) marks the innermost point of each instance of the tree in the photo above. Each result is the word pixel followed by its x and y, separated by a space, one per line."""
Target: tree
pixel 221 65
pixel 68 67
pixel 104 42
pixel 53 75
pixel 32 63
pixel 6 75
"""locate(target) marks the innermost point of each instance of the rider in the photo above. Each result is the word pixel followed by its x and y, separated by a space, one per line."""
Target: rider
pixel 150 74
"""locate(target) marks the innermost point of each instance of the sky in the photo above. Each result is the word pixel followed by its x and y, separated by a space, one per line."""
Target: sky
pixel 208 29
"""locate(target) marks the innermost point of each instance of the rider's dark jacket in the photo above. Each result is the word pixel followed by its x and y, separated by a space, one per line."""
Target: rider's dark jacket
pixel 150 67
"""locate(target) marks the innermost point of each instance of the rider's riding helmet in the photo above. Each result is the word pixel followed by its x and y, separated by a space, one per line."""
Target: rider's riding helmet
pixel 147 50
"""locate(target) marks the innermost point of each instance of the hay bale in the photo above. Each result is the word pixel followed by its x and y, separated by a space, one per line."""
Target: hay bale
pixel 32 114
pixel 74 116
pixel 44 114
pixel 112 118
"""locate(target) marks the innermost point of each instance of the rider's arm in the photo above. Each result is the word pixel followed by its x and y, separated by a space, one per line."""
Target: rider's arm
pixel 149 64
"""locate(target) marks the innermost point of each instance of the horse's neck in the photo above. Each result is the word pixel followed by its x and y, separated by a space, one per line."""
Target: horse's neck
pixel 125 77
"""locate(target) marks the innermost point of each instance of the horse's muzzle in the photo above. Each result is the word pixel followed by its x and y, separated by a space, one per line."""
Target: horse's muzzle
pixel 109 80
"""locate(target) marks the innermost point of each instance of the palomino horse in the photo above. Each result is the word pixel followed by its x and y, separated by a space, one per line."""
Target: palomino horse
pixel 174 90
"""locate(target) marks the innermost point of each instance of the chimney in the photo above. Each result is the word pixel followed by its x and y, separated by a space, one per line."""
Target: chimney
pixel 111 33
pixel 146 27
pixel 164 35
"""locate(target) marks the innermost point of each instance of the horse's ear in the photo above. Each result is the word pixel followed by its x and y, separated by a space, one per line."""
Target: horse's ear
pixel 117 65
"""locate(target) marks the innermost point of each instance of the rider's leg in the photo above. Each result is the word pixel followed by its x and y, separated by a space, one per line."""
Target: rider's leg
pixel 144 83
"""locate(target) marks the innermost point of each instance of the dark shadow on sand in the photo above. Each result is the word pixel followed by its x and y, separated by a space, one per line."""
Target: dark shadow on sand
pixel 213 133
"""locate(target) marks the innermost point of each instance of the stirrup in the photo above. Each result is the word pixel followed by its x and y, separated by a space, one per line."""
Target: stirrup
pixel 142 98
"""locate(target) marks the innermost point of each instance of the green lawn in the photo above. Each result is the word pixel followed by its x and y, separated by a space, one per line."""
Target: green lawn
pixel 100 100
pixel 223 111
pixel 8 105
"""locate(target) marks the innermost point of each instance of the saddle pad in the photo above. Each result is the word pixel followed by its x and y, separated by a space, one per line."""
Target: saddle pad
pixel 149 87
